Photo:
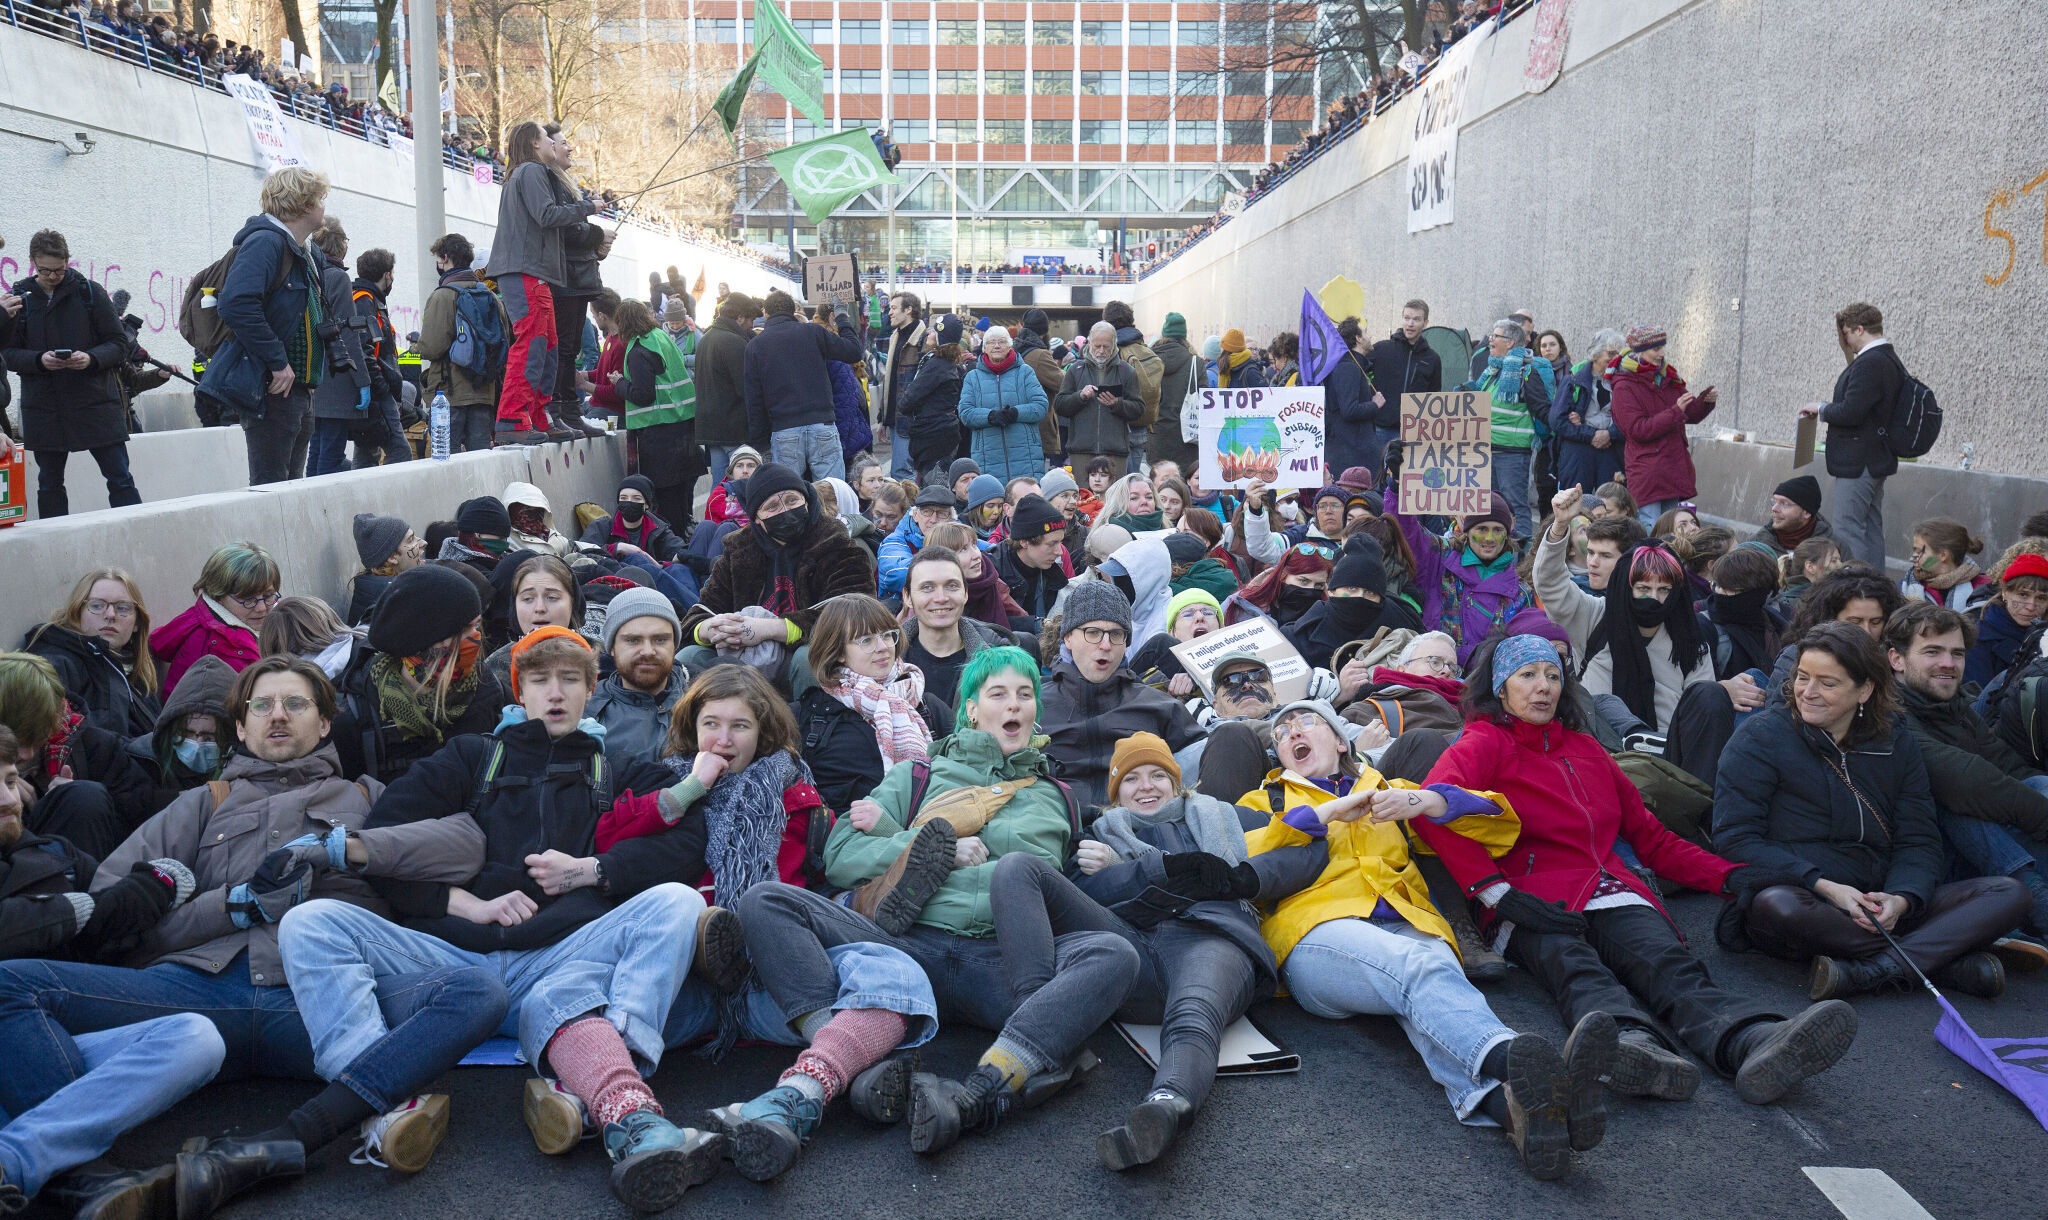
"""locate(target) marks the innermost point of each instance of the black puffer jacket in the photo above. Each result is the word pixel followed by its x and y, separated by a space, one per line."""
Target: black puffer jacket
pixel 1086 720
pixel 839 743
pixel 34 920
pixel 70 409
pixel 1970 770
pixel 95 680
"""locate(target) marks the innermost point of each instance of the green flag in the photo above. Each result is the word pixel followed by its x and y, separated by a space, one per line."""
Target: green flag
pixel 733 98
pixel 788 64
pixel 826 172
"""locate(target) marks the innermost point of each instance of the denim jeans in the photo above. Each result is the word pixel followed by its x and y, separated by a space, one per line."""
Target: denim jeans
pixel 812 445
pixel 790 932
pixel 1647 513
pixel 329 452
pixel 899 455
pixel 1138 438
pixel 1352 967
pixel 627 965
pixel 1388 438
pixel 1857 508
pixel 132 1074
pixel 718 457
pixel 870 976
pixel 1989 849
pixel 1511 479
pixel 51 498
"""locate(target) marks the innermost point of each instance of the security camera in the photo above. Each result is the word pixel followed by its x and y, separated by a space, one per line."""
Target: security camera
pixel 85 140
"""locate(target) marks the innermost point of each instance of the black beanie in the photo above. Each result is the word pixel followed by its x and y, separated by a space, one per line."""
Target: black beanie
pixel 1363 565
pixel 423 606
pixel 642 484
pixel 1034 518
pixel 1803 490
pixel 483 515
pixel 377 537
pixel 771 480
pixel 1185 548
pixel 1036 322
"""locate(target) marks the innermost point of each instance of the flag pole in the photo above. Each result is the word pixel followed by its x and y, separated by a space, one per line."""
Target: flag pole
pixel 641 194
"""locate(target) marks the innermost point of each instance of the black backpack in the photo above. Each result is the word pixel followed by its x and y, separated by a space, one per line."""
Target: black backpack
pixel 1914 423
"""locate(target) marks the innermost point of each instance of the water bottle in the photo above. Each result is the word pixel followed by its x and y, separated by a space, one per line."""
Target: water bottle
pixel 437 427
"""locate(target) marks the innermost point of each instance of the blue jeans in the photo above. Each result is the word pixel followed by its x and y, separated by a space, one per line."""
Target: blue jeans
pixel 871 976
pixel 330 447
pixel 1511 479
pixel 721 457
pixel 627 965
pixel 899 455
pixel 1352 967
pixel 1647 513
pixel 132 1074
pixel 812 445
pixel 1988 849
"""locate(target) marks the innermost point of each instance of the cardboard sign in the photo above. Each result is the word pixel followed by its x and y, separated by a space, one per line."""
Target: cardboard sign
pixel 266 122
pixel 481 172
pixel 1803 440
pixel 1446 454
pixel 831 279
pixel 1273 435
pixel 1290 673
pixel 14 488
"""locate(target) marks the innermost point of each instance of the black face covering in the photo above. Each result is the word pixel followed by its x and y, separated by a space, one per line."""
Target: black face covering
pixel 787 527
pixel 1649 611
pixel 1295 601
pixel 1741 609
pixel 1352 614
pixel 630 511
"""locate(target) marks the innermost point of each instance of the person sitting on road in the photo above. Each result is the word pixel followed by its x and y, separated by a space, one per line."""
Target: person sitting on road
pixel 635 703
pixel 79 782
pixel 1287 590
pixel 1795 515
pixel 1239 719
pixel 1028 560
pixel 988 598
pixel 1420 690
pixel 934 504
pixel 2009 616
pixel 861 708
pixel 1942 571
pixel 725 502
pixel 534 591
pixel 1353 607
pixel 634 527
pixel 1189 616
pixel 1092 700
pixel 938 637
pixel 189 745
pixel 1800 569
pixel 482 535
pixel 99 642
pixel 386 546
pixel 236 589
pixel 1852 594
pixel 1468 582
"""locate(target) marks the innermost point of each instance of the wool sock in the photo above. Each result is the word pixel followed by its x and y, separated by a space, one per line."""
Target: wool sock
pixel 592 1062
pixel 1495 1065
pixel 1014 1061
pixel 326 1117
pixel 848 1044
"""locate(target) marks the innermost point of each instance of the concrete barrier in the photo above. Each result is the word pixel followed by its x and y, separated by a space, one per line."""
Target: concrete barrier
pixel 166 465
pixel 304 524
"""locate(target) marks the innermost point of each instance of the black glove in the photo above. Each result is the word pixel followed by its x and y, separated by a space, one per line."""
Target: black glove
pixel 280 883
pixel 1244 882
pixel 1198 875
pixel 135 903
pixel 1004 415
pixel 1526 910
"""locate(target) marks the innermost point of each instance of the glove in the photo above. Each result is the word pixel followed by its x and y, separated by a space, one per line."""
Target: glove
pixel 280 883
pixel 363 400
pixel 1322 684
pixel 320 851
pixel 136 902
pixel 1244 881
pixel 1204 712
pixel 1004 415
pixel 1526 910
pixel 1198 875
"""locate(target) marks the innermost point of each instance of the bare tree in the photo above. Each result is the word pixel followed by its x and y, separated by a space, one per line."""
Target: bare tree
pixel 295 29
pixel 1342 40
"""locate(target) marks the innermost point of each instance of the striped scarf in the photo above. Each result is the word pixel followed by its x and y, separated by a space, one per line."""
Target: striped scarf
pixel 891 707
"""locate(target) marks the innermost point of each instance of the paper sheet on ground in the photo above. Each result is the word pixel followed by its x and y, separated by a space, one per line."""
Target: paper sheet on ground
pixel 1244 1051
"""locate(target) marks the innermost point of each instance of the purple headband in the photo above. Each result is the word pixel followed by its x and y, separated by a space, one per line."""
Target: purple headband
pixel 1516 651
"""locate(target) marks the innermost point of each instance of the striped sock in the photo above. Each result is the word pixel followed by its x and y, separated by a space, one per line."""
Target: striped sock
pixel 1016 1063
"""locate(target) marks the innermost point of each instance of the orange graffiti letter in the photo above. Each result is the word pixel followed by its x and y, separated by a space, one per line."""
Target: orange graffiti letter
pixel 2028 189
pixel 2000 199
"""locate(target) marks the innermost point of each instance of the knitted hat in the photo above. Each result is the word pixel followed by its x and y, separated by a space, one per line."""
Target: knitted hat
pixel 1191 597
pixel 423 606
pixel 638 603
pixel 1137 750
pixel 1055 481
pixel 1033 519
pixel 959 467
pixel 2026 563
pixel 1095 601
pixel 1107 540
pixel 1320 707
pixel 1233 340
pixel 935 496
pixel 674 314
pixel 377 537
pixel 1497 512
pixel 1185 548
pixel 1371 500
pixel 640 483
pixel 1643 338
pixel 1175 327
pixel 744 451
pixel 1036 322
pixel 1363 565
pixel 982 324
pixel 1355 478
pixel 984 488
pixel 1334 492
pixel 772 480
pixel 1803 490
pixel 1212 348
pixel 948 329
pixel 520 646
pixel 483 515
pixel 1532 621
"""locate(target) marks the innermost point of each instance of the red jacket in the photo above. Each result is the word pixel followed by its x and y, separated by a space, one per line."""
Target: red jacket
pixel 1573 801
pixel 632 816
pixel 1646 410
pixel 611 360
pixel 200 632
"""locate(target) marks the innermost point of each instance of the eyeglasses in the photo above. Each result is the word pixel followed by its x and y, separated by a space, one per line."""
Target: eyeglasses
pixel 261 599
pixel 117 609
pixel 1442 665
pixel 294 705
pixel 1294 722
pixel 1316 549
pixel 889 637
pixel 1105 635
pixel 1245 680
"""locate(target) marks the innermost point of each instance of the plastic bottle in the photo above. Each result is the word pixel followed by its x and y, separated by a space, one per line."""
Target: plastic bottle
pixel 437 427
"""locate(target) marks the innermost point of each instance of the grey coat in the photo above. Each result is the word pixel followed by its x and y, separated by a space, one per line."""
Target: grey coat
pixel 1098 427
pixel 533 226
pixel 635 724
pixel 338 392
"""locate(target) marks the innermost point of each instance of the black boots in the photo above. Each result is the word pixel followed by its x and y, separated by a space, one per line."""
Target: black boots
pixel 941 1110
pixel 881 1094
pixel 1834 977
pixel 101 1191
pixel 1981 974
pixel 1644 1067
pixel 1536 1104
pixel 1148 1131
pixel 210 1172
pixel 1770 1057
pixel 1588 1058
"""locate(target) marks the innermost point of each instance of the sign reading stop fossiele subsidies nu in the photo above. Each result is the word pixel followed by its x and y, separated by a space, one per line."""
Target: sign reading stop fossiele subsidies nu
pixel 1446 454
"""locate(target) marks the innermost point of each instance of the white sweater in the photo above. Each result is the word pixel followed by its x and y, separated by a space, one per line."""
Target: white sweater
pixel 1579 612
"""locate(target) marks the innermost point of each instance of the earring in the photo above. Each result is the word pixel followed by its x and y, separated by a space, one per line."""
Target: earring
pixel 1859 710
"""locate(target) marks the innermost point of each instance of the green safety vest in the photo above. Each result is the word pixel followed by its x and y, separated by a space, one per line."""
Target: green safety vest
pixel 675 393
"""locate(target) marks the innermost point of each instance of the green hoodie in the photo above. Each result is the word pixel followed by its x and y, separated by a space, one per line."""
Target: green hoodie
pixel 1035 821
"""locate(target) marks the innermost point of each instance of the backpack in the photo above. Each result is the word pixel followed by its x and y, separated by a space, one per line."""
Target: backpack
pixel 1914 422
pixel 198 320
pixel 1151 370
pixel 481 344
pixel 382 320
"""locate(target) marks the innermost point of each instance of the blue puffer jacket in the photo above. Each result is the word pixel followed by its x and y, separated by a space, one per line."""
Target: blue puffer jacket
pixel 898 549
pixel 1010 449
pixel 238 374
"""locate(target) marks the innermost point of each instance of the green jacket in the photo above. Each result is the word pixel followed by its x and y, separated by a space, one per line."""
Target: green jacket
pixel 1209 576
pixel 675 392
pixel 1035 821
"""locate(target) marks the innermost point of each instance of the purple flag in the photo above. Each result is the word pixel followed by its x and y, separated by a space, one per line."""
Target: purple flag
pixel 1321 346
pixel 2020 1064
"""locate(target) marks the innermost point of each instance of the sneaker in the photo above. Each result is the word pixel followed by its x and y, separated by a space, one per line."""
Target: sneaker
pixel 1806 1045
pixel 1643 1067
pixel 881 1094
pixel 555 1116
pixel 2021 953
pixel 942 1110
pixel 1644 742
pixel 654 1161
pixel 721 956
pixel 405 1138
pixel 1534 1086
pixel 765 1135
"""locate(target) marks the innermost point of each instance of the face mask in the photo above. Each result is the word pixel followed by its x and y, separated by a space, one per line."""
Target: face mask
pixel 1295 600
pixel 199 757
pixel 493 546
pixel 1648 611
pixel 786 527
pixel 1352 614
pixel 630 511
pixel 1290 511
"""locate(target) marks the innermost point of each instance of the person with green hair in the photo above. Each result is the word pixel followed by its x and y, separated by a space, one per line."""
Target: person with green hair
pixel 80 782
pixel 235 591
pixel 932 839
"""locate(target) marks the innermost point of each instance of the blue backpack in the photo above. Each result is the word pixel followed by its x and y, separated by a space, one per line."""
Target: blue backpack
pixel 481 344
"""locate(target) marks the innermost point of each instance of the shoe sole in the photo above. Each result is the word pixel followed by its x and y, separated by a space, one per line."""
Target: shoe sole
pixel 1824 980
pixel 1819 1036
pixel 553 1119
pixel 2024 956
pixel 881 1094
pixel 721 958
pixel 653 1181
pixel 155 1197
pixel 1144 1138
pixel 930 863
pixel 761 1150
pixel 1588 1056
pixel 930 1130
pixel 1637 1072
pixel 409 1143
pixel 1538 1102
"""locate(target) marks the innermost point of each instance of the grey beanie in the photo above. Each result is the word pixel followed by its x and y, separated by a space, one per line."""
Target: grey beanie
pixel 377 537
pixel 1095 601
pixel 1055 481
pixel 630 604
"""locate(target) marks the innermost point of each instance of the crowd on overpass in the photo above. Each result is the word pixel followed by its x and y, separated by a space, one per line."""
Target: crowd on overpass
pixel 898 730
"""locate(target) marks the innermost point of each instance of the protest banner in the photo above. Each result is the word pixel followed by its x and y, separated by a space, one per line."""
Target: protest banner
pixel 1446 454
pixel 1547 44
pixel 266 122
pixel 1290 673
pixel 1433 151
pixel 481 172
pixel 831 279
pixel 1272 435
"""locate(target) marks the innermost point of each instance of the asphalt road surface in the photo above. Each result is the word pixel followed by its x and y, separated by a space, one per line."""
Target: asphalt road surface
pixel 1361 1131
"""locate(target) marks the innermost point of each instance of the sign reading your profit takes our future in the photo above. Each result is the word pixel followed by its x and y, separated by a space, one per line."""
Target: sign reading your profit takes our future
pixel 1446 454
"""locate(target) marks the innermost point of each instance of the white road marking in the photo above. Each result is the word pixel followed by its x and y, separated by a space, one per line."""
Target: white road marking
pixel 1866 1194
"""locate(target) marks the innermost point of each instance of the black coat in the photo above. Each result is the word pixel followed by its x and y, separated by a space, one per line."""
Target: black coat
pixel 100 757
pixel 1035 590
pixel 1317 637
pixel 1778 802
pixel 1085 721
pixel 721 378
pixel 839 743
pixel 1100 425
pixel 541 799
pixel 652 535
pixel 363 592
pixel 68 410
pixel 1863 399
pixel 369 744
pixel 930 404
pixel 1350 416
pixel 95 681
pixel 786 381
pixel 1400 367
pixel 1971 770
pixel 744 575
pixel 34 920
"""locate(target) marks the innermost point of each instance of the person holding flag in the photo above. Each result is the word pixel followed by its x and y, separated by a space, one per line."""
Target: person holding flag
pixel 527 255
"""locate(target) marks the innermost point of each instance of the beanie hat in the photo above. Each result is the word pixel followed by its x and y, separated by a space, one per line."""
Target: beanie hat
pixel 1371 500
pixel 1036 322
pixel 1191 597
pixel 483 515
pixel 1233 340
pixel 522 645
pixel 1320 707
pixel 1096 601
pixel 1355 478
pixel 1184 547
pixel 1033 519
pixel 1332 492
pixel 642 484
pixel 948 329
pixel 1137 750
pixel 1107 540
pixel 982 324
pixel 422 607
pixel 1497 512
pixel 1803 490
pixel 674 313
pixel 984 488
pixel 377 537
pixel 744 451
pixel 1643 338
pixel 1175 327
pixel 1532 621
pixel 1363 565
pixel 959 467
pixel 1056 481
pixel 772 480
pixel 639 603
pixel 2026 563
pixel 1212 348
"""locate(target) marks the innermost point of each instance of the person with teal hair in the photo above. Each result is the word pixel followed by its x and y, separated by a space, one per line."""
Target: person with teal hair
pixel 236 588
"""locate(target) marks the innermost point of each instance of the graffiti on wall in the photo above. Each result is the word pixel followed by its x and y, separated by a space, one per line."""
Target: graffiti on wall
pixel 2002 199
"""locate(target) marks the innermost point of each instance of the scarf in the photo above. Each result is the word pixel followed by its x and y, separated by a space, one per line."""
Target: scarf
pixel 57 750
pixel 1632 363
pixel 1965 572
pixel 1452 689
pixel 891 707
pixel 782 561
pixel 1139 523
pixel 1213 824
pixel 1789 539
pixel 404 696
pixel 1509 371
pixel 1741 617
pixel 1008 361
pixel 1635 680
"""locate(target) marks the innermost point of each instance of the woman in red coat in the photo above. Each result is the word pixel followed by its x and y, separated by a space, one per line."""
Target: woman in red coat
pixel 1652 408
pixel 1564 906
pixel 236 590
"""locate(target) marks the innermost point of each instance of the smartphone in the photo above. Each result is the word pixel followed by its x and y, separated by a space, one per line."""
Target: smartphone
pixel 62 353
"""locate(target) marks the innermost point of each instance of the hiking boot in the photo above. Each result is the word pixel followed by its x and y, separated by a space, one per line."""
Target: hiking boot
pixel 1806 1045
pixel 941 1110
pixel 1482 964
pixel 566 417
pixel 506 439
pixel 1042 1088
pixel 1588 1056
pixel 1644 1067
pixel 895 899
pixel 1834 977
pixel 405 1138
pixel 721 957
pixel 210 1172
pixel 101 1191
pixel 654 1161
pixel 1980 974
pixel 2021 953
pixel 555 1116
pixel 765 1135
pixel 881 1094
pixel 1538 1095
pixel 1148 1131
